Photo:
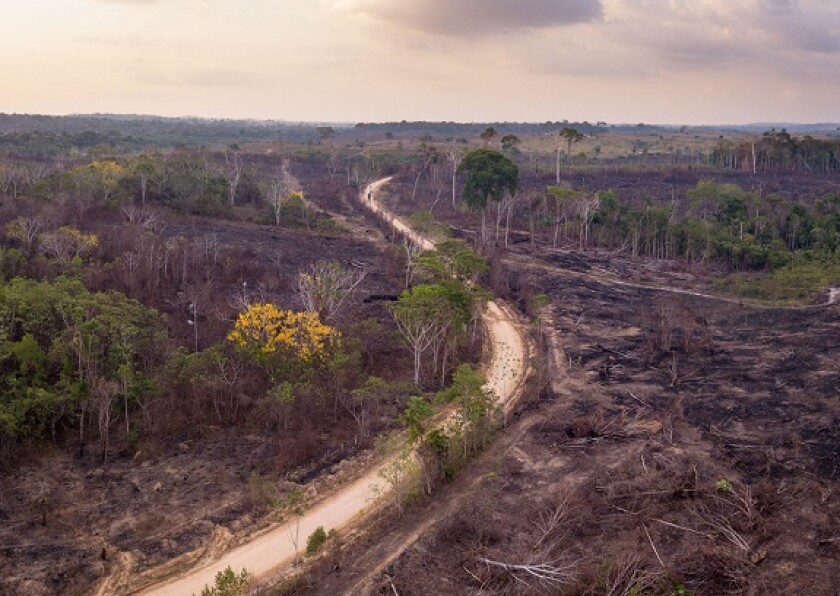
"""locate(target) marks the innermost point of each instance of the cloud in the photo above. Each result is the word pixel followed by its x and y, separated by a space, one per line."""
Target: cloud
pixel 472 18
pixel 779 7
pixel 768 35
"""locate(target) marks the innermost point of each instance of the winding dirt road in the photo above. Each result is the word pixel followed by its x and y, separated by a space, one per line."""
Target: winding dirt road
pixel 273 550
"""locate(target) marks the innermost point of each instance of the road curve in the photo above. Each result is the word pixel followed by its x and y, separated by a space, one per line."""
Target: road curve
pixel 273 550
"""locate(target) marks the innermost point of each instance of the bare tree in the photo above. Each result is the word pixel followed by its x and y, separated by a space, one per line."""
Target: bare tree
pixel 323 287
pixel 566 135
pixel 147 218
pixel 280 187
pixel 429 156
pixel 103 393
pixel 587 207
pixel 412 254
pixel 25 229
pixel 232 172
pixel 455 155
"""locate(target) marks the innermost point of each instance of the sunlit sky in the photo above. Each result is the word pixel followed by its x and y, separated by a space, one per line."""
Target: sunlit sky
pixel 654 61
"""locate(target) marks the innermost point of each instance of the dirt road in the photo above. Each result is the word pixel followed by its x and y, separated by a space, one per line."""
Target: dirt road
pixel 274 550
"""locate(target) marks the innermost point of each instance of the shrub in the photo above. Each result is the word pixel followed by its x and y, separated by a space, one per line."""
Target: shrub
pixel 228 583
pixel 315 541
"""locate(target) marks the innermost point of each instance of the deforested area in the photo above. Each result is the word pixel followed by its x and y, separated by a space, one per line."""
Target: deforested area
pixel 532 297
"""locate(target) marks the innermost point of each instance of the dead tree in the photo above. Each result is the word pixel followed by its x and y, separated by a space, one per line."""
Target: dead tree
pixel 279 190
pixel 455 156
pixel 232 172
pixel 323 287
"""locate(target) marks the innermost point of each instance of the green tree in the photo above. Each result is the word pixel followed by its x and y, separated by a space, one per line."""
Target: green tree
pixel 416 414
pixel 422 314
pixel 510 143
pixel 63 351
pixel 488 134
pixel 488 175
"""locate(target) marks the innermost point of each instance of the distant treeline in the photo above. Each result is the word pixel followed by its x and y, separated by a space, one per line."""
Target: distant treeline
pixel 48 136
pixel 474 129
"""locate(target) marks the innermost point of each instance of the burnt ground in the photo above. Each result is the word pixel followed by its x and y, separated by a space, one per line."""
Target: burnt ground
pixel 66 520
pixel 686 445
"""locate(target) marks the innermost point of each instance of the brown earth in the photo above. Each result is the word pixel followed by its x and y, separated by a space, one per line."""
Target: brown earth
pixel 66 521
pixel 685 443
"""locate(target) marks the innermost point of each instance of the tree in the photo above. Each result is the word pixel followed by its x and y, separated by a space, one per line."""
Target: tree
pixel 429 156
pixel 144 169
pixel 564 200
pixel 294 503
pixel 568 135
pixel 62 350
pixel 67 242
pixel 279 190
pixel 488 175
pixel 571 135
pixel 457 261
pixel 455 155
pixel 103 393
pixel 422 315
pixel 264 330
pixel 417 413
pixel 25 230
pixel 324 286
pixel 476 407
pixel 326 132
pixel 488 135
pixel 510 143
pixel 98 181
pixel 358 403
pixel 586 207
pixel 232 171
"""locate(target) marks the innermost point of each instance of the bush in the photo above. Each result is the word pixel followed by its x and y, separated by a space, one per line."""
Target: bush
pixel 228 583
pixel 315 541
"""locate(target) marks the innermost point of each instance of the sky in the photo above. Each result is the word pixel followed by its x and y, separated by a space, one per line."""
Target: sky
pixel 628 61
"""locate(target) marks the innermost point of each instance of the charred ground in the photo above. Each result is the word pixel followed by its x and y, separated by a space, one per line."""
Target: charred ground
pixel 684 443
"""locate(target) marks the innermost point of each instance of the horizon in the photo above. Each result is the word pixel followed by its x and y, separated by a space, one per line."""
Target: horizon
pixel 351 124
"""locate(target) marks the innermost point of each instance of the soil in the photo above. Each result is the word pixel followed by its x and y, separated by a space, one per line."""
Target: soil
pixel 683 442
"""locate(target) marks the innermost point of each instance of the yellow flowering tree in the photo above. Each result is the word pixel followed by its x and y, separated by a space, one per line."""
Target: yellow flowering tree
pixel 276 338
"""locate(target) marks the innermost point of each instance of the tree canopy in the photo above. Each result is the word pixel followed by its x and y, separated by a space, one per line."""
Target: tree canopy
pixel 487 175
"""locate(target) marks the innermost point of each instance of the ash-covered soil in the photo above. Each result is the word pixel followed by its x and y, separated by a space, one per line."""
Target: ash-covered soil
pixel 685 445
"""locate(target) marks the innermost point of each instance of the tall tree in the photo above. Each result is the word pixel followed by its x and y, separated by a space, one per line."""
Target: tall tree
pixel 571 136
pixel 487 175
pixel 423 314
pixel 455 155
